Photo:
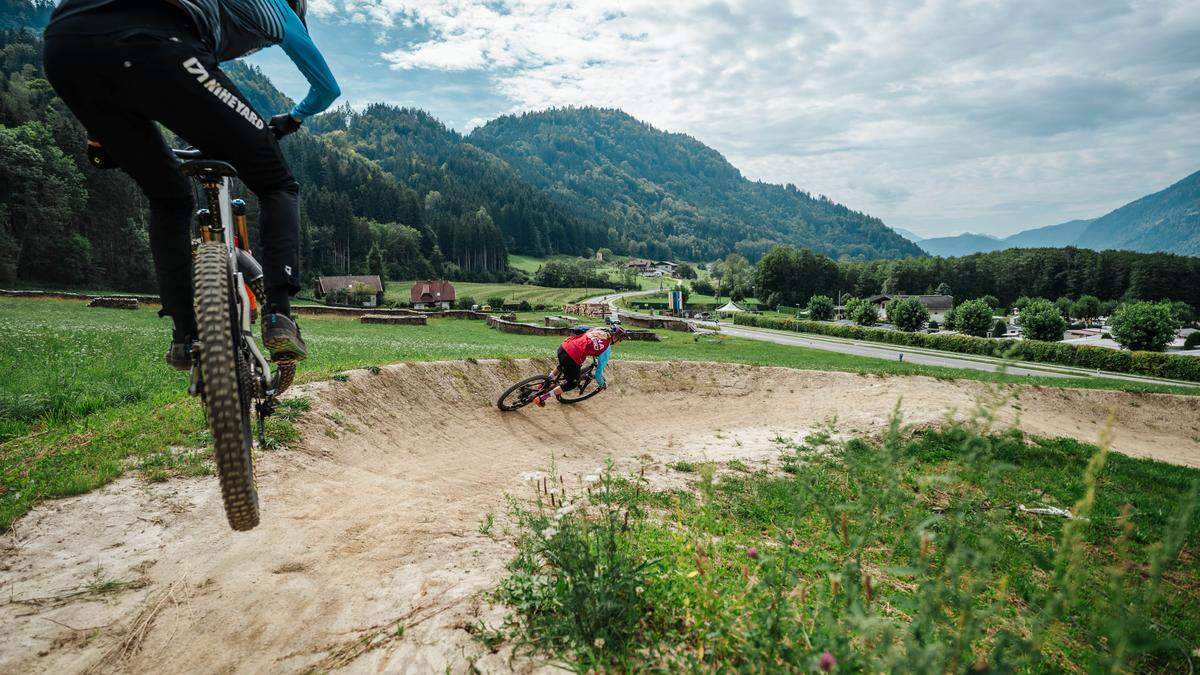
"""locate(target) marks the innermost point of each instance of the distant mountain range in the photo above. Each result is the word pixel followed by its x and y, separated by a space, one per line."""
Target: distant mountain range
pixel 1167 221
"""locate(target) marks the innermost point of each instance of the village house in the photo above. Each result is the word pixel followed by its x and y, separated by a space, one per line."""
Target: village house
pixel 938 305
pixel 370 286
pixel 432 294
pixel 653 268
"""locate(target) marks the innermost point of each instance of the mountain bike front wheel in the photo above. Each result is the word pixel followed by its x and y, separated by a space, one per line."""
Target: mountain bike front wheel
pixel 225 397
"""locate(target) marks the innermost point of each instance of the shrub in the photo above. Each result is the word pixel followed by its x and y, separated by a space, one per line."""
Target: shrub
pixel 992 301
pixel 934 325
pixel 1174 366
pixel 1000 328
pixel 1086 308
pixel 1144 326
pixel 703 287
pixel 524 306
pixel 465 302
pixel 1192 341
pixel 820 308
pixel 577 579
pixel 973 317
pixel 865 314
pixel 850 307
pixel 907 314
pixel 1041 320
pixel 1064 305
pixel 496 302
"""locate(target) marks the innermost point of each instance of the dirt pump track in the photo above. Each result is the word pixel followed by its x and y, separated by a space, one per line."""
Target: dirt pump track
pixel 370 556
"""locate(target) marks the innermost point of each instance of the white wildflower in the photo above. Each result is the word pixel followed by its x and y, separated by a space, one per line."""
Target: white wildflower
pixel 549 532
pixel 591 478
pixel 533 476
pixel 564 510
pixel 599 643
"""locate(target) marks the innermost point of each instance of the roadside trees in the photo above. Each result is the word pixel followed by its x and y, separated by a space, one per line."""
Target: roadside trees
pixel 1086 308
pixel 865 314
pixel 1147 326
pixel 907 314
pixel 820 308
pixel 973 317
pixel 1042 320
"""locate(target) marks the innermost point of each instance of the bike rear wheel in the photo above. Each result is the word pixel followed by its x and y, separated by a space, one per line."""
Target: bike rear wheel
pixel 225 399
pixel 587 388
pixel 522 393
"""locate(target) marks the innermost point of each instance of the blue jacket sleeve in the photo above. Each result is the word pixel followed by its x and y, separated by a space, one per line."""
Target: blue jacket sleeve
pixel 323 89
pixel 602 361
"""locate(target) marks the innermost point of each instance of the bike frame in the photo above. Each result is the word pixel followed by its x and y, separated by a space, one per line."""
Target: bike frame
pixel 218 196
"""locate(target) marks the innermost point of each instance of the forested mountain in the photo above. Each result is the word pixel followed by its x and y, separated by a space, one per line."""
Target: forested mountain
pixel 668 195
pixel 1168 220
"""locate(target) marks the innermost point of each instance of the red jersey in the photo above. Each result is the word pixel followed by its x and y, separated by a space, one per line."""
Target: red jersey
pixel 591 343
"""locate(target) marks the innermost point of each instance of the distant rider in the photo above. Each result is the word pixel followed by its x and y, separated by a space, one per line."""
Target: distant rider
pixel 122 65
pixel 597 342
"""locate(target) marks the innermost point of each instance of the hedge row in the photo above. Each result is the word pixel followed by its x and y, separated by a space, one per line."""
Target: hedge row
pixel 1156 364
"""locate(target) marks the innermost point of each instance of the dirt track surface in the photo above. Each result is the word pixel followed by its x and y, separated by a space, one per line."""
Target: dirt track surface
pixel 373 521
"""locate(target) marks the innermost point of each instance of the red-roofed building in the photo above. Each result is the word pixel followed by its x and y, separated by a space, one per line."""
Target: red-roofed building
pixel 432 293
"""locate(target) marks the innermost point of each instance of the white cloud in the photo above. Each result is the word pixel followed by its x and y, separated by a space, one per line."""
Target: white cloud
pixel 939 116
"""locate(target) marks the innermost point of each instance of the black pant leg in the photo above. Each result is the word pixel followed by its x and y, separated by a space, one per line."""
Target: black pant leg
pixel 195 99
pixel 82 71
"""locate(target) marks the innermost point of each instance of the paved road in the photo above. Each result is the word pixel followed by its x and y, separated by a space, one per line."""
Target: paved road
pixel 892 352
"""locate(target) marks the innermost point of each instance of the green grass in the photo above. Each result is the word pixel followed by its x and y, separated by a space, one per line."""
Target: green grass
pixel 525 263
pixel 512 293
pixel 906 555
pixel 86 395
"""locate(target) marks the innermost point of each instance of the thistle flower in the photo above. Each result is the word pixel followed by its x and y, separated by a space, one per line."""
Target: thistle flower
pixel 826 663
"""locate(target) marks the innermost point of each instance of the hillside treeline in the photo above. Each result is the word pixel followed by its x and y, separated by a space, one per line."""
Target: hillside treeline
pixel 63 222
pixel 667 195
pixel 791 276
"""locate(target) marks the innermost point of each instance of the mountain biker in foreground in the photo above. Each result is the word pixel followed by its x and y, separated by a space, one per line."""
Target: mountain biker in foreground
pixel 597 342
pixel 122 65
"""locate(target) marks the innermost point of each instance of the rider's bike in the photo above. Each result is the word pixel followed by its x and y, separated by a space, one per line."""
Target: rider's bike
pixel 522 393
pixel 229 372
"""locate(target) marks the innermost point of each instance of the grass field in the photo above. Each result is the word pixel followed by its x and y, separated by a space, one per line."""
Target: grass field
pixel 905 555
pixel 525 263
pixel 512 293
pixel 86 395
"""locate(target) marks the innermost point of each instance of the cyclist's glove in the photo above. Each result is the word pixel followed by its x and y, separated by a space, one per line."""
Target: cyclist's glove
pixel 284 124
pixel 98 156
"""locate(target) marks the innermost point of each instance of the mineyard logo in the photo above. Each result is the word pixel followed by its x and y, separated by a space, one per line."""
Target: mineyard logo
pixel 194 67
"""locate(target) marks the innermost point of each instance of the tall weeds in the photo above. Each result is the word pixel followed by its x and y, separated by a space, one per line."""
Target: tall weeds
pixel 915 553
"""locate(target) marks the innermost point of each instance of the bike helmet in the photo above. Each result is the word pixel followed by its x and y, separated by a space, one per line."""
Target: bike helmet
pixel 300 7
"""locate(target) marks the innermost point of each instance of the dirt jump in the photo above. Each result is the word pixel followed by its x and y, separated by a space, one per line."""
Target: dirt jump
pixel 371 556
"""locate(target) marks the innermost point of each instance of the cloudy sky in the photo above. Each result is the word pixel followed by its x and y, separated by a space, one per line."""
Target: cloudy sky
pixel 940 117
